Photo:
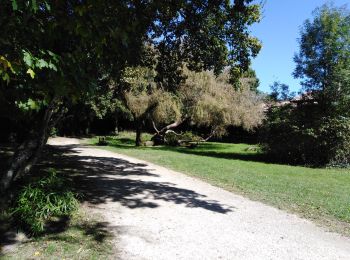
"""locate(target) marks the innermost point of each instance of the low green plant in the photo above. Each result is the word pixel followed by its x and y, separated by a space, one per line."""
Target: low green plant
pixel 190 137
pixel 48 197
pixel 53 132
pixel 172 139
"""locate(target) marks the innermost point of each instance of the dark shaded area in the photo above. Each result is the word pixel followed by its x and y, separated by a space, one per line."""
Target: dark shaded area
pixel 99 231
pixel 207 149
pixel 256 157
pixel 6 151
pixel 101 179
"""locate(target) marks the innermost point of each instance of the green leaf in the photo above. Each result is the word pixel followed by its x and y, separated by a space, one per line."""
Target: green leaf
pixel 34 5
pixel 42 64
pixel 14 5
pixel 31 73
pixel 48 7
pixel 52 66
pixel 27 58
pixel 6 78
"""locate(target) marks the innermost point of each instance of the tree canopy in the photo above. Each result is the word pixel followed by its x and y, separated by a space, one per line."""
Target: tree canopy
pixel 54 53
pixel 323 61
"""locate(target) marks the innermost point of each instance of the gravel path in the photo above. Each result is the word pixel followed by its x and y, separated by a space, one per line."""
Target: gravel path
pixel 156 213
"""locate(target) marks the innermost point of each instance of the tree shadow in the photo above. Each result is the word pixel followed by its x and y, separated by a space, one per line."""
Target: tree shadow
pixel 253 157
pixel 98 180
pixel 213 150
pixel 101 179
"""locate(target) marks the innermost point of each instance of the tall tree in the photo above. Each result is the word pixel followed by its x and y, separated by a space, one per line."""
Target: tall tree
pixel 323 61
pixel 315 129
pixel 52 53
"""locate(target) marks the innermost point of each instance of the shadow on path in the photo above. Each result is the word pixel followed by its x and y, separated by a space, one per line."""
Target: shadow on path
pixel 101 179
pixel 104 179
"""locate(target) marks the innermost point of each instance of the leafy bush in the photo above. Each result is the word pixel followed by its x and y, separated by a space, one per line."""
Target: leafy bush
pixel 53 132
pixel 297 135
pixel 190 137
pixel 171 138
pixel 38 202
pixel 335 135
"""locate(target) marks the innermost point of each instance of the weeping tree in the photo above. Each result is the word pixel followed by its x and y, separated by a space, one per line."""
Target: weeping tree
pixel 54 53
pixel 212 102
pixel 145 99
pixel 202 100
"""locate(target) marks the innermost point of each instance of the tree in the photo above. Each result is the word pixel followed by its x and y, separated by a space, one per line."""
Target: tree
pixel 316 128
pixel 212 102
pixel 250 79
pixel 146 99
pixel 280 92
pixel 323 61
pixel 54 53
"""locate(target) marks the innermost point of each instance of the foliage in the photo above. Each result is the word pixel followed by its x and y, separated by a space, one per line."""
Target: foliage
pixel 335 140
pixel 38 202
pixel 281 92
pixel 296 135
pixel 323 61
pixel 189 136
pixel 56 54
pixel 203 99
pixel 146 98
pixel 250 80
pixel 63 50
pixel 173 139
pixel 315 128
pixel 213 102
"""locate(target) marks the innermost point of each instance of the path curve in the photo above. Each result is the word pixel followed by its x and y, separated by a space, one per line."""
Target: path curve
pixel 157 213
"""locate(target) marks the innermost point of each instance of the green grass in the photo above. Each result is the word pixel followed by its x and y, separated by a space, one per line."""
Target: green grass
pixel 319 194
pixel 84 238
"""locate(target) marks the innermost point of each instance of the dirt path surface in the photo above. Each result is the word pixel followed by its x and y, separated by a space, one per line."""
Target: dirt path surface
pixel 156 213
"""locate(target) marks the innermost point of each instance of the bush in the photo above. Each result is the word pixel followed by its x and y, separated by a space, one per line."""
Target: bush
pixel 53 132
pixel 335 134
pixel 190 137
pixel 173 139
pixel 296 135
pixel 37 202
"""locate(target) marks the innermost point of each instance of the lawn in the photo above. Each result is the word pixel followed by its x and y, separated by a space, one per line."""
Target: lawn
pixel 322 195
pixel 84 237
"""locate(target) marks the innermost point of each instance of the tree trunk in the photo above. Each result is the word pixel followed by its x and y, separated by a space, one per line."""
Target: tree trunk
pixel 138 140
pixel 28 152
pixel 116 130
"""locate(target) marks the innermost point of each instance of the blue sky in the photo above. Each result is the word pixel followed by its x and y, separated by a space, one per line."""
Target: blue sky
pixel 278 31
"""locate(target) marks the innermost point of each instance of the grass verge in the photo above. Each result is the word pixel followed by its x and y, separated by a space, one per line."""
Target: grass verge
pixel 84 237
pixel 318 194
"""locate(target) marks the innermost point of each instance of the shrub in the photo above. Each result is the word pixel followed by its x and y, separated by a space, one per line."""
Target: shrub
pixel 336 139
pixel 297 135
pixel 53 132
pixel 190 137
pixel 171 138
pixel 38 202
